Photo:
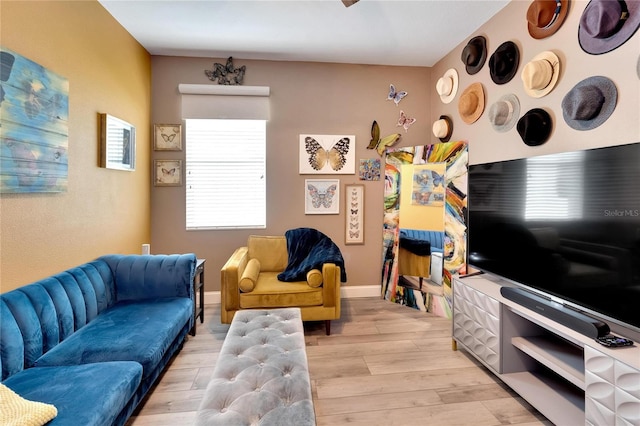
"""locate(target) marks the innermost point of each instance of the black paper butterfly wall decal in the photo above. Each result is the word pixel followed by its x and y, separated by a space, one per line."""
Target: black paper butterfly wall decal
pixel 394 95
pixel 336 156
pixel 322 198
pixel 381 144
pixel 226 74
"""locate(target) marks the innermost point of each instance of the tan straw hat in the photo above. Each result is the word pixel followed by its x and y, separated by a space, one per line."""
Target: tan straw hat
pixel 541 74
pixel 471 103
pixel 447 85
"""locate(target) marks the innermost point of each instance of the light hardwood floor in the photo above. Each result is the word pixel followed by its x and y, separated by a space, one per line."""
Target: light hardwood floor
pixel 384 364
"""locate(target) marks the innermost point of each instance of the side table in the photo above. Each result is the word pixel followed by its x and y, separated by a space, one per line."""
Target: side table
pixel 198 293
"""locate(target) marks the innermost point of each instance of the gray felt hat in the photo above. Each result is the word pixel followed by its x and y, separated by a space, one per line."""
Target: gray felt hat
pixel 589 103
pixel 504 113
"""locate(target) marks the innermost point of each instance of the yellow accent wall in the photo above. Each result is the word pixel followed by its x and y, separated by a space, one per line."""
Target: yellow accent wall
pixel 103 211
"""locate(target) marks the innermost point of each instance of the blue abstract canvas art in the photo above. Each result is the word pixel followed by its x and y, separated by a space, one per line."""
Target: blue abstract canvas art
pixel 34 134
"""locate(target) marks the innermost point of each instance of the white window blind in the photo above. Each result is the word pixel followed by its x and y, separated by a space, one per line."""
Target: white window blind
pixel 554 188
pixel 225 173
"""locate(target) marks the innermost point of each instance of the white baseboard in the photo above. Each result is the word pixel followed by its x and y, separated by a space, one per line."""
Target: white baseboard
pixel 348 292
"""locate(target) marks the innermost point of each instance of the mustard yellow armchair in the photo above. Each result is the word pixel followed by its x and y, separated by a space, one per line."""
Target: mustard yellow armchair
pixel 249 280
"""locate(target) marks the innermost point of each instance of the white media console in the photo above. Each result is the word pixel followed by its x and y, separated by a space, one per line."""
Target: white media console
pixel 567 376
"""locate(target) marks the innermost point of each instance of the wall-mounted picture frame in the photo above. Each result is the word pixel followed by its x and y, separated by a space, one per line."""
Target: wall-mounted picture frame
pixel 322 196
pixel 167 172
pixel 117 143
pixel 167 137
pixel 354 205
pixel 327 154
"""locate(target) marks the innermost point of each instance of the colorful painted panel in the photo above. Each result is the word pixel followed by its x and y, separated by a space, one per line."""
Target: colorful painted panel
pixel 436 299
pixel 34 135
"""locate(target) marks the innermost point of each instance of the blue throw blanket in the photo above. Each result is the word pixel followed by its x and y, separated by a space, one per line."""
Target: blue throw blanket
pixel 308 249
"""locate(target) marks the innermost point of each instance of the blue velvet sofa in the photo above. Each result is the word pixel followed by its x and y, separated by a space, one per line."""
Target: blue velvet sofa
pixel 92 340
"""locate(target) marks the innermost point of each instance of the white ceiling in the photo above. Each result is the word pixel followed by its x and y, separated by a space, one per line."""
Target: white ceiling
pixel 384 32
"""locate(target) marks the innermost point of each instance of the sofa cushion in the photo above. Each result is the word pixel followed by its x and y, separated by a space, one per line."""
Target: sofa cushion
pixel 269 292
pixel 271 251
pixel 18 411
pixel 249 275
pixel 90 394
pixel 138 331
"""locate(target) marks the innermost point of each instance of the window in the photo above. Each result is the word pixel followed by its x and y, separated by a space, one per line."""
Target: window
pixel 225 173
pixel 554 188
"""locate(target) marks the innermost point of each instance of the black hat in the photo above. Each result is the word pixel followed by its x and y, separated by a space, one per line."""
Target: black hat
pixel 535 127
pixel 474 54
pixel 504 62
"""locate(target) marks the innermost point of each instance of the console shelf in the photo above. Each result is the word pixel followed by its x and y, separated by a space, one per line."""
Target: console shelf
pixel 565 359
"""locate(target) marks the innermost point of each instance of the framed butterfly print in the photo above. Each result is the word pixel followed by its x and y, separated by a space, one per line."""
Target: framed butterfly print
pixel 322 196
pixel 327 154
pixel 167 172
pixel 354 225
pixel 167 137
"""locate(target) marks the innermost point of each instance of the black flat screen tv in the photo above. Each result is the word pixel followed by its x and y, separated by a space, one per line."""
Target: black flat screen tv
pixel 565 226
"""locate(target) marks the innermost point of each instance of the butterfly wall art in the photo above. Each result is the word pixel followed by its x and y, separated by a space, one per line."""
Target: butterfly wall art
pixel 167 173
pixel 394 95
pixel 379 144
pixel 404 121
pixel 322 196
pixel 429 185
pixel 167 137
pixel 327 154
pixel 354 225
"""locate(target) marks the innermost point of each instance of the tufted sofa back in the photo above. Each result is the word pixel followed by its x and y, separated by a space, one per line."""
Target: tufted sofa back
pixel 37 317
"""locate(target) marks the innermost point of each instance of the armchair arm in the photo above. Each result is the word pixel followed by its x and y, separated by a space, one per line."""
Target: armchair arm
pixel 230 277
pixel 331 285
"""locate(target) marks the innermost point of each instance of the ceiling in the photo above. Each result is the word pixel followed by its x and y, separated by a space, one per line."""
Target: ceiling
pixel 384 32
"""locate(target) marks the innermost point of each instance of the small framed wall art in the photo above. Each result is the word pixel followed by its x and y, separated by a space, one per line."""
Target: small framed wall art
pixel 117 143
pixel 167 137
pixel 354 202
pixel 167 172
pixel 322 196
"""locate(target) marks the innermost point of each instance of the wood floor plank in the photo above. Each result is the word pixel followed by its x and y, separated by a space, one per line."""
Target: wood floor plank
pixel 383 364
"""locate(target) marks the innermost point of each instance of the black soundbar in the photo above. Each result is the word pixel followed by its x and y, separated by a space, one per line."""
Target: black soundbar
pixel 553 310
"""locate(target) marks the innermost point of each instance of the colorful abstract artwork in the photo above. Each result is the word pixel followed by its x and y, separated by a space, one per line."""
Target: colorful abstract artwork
pixel 34 134
pixel 369 169
pixel 436 299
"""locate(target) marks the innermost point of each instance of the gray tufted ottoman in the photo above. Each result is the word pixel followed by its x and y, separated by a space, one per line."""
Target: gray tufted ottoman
pixel 261 376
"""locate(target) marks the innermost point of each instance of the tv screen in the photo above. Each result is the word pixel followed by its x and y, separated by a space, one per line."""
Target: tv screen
pixel 566 225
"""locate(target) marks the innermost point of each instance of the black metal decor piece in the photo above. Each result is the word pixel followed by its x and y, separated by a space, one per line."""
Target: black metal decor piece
pixel 226 74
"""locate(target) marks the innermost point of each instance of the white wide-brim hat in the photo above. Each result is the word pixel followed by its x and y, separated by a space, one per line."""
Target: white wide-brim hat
pixel 540 75
pixel 447 85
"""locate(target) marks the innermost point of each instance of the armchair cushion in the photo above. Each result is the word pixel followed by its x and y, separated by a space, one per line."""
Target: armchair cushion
pixel 314 278
pixel 249 276
pixel 271 251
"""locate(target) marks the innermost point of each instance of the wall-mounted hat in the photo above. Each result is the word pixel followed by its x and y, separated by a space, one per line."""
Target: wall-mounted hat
pixel 443 128
pixel 638 67
pixel 471 103
pixel 504 62
pixel 474 54
pixel 545 17
pixel 504 113
pixel 447 85
pixel 590 103
pixel 535 127
pixel 541 74
pixel 607 25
